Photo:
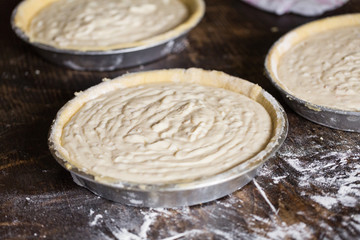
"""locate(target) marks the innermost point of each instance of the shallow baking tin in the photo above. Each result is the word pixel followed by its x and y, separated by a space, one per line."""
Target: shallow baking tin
pixel 330 117
pixel 189 193
pixel 108 60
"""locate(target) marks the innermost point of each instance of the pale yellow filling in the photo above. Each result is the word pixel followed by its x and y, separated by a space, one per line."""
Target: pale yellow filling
pixel 324 69
pixel 76 24
pixel 165 132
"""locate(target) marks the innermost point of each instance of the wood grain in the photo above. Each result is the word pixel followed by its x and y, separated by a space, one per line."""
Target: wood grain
pixel 308 190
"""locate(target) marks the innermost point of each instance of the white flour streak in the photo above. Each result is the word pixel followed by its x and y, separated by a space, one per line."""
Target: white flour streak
pixel 224 235
pixel 96 219
pixel 148 220
pixel 280 230
pixel 184 234
pixel 298 165
pixel 124 234
pixel 263 194
pixel 277 179
pixel 297 231
pixel 91 212
pixel 356 222
pixel 327 202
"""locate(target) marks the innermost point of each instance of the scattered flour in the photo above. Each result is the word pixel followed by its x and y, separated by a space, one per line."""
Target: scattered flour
pixel 149 218
pixel 327 202
pixel 189 233
pixel 274 229
pixel 297 231
pixel 124 234
pixel 91 212
pixel 328 177
pixel 96 219
pixel 223 235
pixel 336 187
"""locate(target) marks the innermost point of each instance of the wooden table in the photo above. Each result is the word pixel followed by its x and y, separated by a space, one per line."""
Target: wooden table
pixel 309 190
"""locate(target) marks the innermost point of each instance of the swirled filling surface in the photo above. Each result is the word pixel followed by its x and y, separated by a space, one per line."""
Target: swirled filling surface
pixel 324 69
pixel 168 132
pixel 79 23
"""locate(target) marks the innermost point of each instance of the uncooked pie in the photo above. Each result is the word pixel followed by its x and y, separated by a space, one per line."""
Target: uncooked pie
pixel 163 126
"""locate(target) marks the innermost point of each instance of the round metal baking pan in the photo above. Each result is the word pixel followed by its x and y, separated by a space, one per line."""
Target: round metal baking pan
pixel 109 60
pixel 182 193
pixel 326 116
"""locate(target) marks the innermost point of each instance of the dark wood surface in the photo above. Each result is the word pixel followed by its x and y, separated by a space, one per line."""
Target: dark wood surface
pixel 309 190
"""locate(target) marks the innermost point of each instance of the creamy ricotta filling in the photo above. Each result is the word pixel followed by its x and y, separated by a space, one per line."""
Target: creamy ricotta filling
pixel 165 132
pixel 324 69
pixel 79 23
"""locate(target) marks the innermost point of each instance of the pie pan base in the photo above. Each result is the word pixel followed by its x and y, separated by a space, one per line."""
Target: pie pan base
pixel 122 57
pixel 183 193
pixel 171 198
pixel 329 117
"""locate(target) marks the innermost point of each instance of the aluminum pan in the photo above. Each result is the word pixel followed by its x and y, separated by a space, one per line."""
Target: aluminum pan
pixel 107 60
pixel 188 193
pixel 329 117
